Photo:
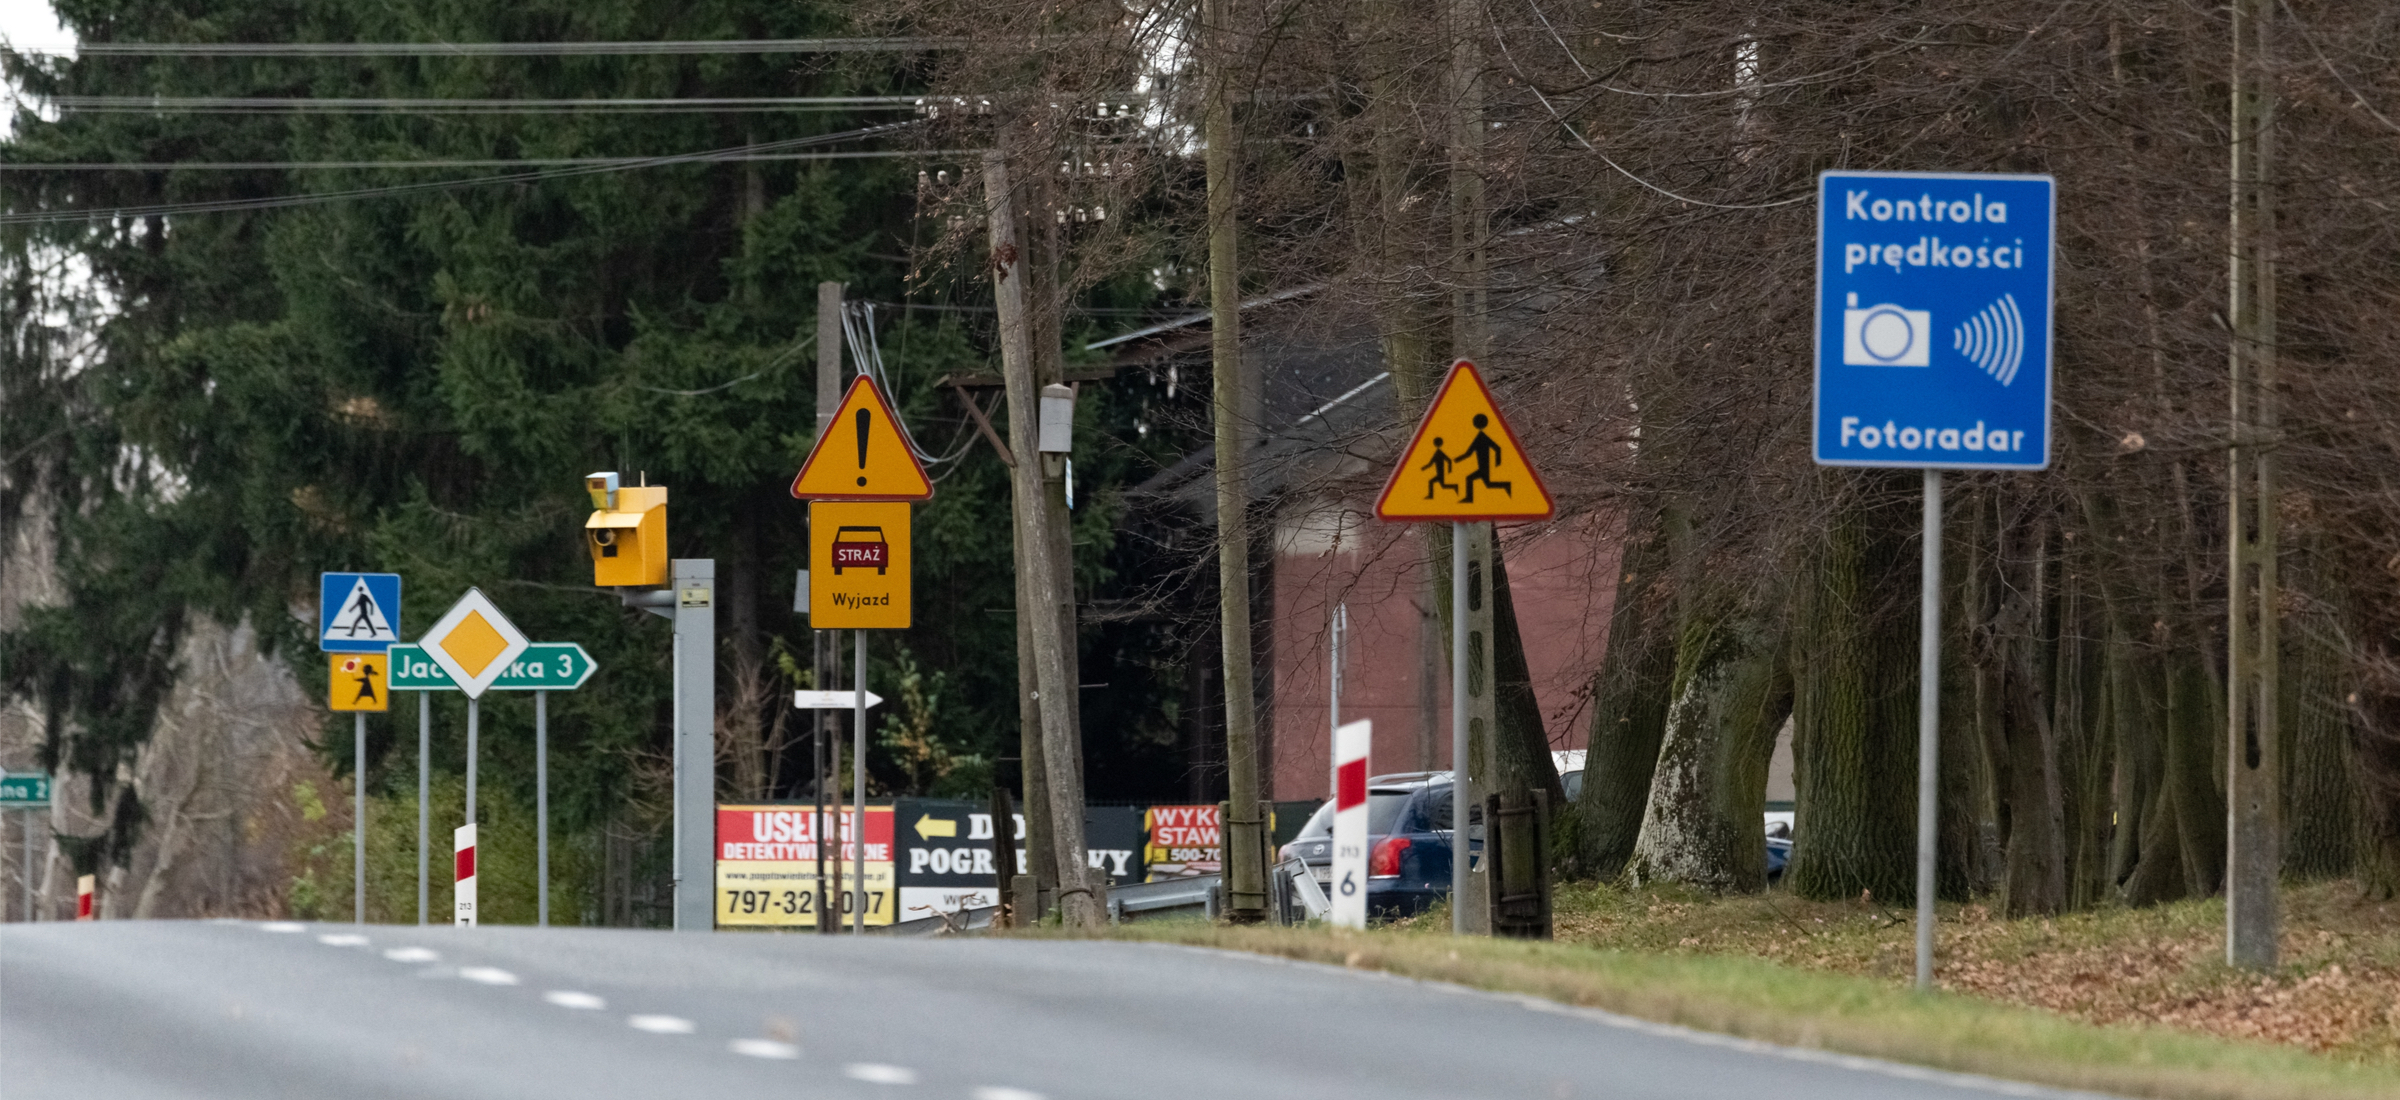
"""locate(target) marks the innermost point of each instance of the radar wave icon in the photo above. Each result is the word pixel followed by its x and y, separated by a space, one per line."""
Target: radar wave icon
pixel 1994 339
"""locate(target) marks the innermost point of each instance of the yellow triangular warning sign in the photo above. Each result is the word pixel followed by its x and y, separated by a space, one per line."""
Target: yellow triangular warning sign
pixel 1464 464
pixel 863 455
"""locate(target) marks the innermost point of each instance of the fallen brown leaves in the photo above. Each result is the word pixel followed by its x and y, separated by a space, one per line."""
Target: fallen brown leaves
pixel 2337 993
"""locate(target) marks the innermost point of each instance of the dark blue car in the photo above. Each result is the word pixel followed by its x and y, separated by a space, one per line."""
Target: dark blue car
pixel 1408 843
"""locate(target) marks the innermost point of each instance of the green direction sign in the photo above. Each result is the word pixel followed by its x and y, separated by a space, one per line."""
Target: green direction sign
pixel 24 789
pixel 544 666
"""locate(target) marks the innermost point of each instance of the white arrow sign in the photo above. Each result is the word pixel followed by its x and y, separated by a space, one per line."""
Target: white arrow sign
pixel 831 700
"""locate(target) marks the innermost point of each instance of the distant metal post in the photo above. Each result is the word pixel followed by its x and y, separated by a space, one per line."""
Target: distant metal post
pixel 541 805
pixel 1929 713
pixel 1459 851
pixel 358 819
pixel 474 720
pixel 25 867
pixel 1333 702
pixel 858 775
pixel 424 787
pixel 695 743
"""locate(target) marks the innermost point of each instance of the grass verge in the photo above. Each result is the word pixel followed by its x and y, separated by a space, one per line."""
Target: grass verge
pixel 1756 999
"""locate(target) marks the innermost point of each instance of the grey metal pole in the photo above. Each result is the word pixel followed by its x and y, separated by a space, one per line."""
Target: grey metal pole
pixel 695 743
pixel 25 867
pixel 474 716
pixel 1333 697
pixel 424 792
pixel 1929 713
pixel 541 806
pixel 1459 850
pixel 358 818
pixel 858 773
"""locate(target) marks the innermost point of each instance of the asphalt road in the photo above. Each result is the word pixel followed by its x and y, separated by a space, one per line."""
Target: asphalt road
pixel 160 1010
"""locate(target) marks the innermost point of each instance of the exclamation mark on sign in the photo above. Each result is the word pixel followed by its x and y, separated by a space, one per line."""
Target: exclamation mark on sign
pixel 861 420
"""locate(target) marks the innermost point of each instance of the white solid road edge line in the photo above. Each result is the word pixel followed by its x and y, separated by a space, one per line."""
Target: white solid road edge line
pixel 1857 1062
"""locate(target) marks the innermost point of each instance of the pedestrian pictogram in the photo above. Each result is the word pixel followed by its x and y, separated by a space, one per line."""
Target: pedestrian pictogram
pixel 1463 464
pixel 474 643
pixel 357 612
pixel 360 682
pixel 863 455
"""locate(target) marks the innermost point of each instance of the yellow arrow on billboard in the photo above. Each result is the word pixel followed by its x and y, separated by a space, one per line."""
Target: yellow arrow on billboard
pixel 929 827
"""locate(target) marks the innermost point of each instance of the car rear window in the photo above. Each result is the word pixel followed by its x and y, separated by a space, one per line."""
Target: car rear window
pixel 1383 808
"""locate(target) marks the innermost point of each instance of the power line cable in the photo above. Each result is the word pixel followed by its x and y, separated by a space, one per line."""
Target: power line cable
pixel 274 202
pixel 315 105
pixel 497 49
pixel 518 162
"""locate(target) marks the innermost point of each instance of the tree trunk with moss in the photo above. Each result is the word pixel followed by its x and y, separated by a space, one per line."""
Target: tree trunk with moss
pixel 1854 715
pixel 1629 711
pixel 1730 695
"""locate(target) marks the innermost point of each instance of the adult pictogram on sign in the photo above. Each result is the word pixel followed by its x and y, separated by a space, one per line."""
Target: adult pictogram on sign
pixel 865 454
pixel 1464 464
pixel 358 612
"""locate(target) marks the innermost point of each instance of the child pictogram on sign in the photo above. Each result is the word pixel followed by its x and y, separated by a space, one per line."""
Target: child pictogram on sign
pixel 1440 465
pixel 359 683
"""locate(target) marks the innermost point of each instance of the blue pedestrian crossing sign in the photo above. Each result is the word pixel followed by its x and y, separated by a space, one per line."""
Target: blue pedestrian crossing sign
pixel 1934 319
pixel 358 612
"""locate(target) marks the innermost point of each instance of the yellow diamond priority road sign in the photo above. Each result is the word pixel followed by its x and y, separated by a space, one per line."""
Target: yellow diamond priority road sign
pixel 474 643
pixel 1464 464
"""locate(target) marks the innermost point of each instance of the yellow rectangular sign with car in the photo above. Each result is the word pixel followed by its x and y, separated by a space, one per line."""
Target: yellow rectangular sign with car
pixel 858 565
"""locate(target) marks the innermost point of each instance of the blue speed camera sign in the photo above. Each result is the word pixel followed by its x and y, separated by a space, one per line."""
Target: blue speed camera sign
pixel 1933 320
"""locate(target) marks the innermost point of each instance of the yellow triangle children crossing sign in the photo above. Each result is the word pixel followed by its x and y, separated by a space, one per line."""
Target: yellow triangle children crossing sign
pixel 1464 464
pixel 863 455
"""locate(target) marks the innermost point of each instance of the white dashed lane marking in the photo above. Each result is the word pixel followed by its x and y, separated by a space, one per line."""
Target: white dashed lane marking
pixel 1003 1092
pixel 764 1048
pixel 488 975
pixel 283 926
pixel 877 1073
pixel 343 939
pixel 412 954
pixel 571 998
pixel 660 1025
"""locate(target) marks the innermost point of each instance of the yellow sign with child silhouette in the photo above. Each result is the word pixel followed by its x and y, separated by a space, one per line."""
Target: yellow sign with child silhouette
pixel 1464 464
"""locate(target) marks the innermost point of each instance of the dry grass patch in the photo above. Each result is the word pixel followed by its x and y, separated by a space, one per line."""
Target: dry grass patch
pixel 2338 992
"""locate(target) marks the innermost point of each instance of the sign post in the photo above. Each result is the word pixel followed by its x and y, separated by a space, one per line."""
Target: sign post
pixel 1451 473
pixel 1351 746
pixel 541 668
pixel 858 480
pixel 1933 352
pixel 25 792
pixel 358 618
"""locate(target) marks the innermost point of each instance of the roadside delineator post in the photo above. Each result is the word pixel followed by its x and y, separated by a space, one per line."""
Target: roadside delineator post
pixel 84 890
pixel 1351 744
pixel 463 909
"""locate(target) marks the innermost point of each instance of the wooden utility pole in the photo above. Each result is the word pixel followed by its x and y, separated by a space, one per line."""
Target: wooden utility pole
pixel 824 648
pixel 1243 830
pixel 2253 783
pixel 1039 574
